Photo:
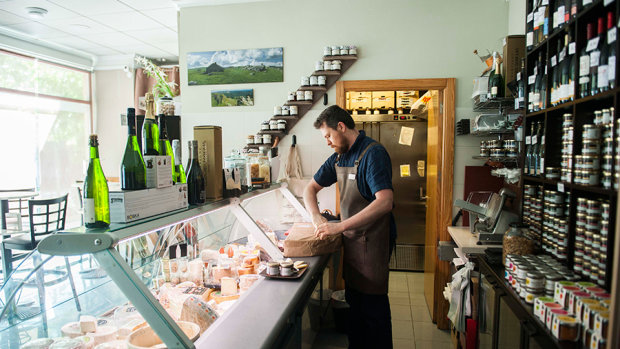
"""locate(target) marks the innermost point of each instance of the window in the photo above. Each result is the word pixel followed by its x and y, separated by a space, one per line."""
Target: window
pixel 45 115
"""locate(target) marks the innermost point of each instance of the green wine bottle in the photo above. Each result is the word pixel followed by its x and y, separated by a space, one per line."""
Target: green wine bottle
pixel 164 143
pixel 96 202
pixel 496 81
pixel 179 171
pixel 133 171
pixel 150 131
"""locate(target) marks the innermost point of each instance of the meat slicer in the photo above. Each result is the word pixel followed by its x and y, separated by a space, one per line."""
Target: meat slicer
pixel 487 216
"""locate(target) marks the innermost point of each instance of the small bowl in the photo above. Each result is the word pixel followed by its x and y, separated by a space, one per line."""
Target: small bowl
pixel 145 337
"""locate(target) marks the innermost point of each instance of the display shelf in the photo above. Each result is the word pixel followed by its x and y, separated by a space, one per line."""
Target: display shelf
pixel 497 159
pixel 298 103
pixel 312 88
pixel 256 146
pixel 273 132
pixel 494 104
pixel 340 58
pixel 487 133
pixel 327 72
pixel 284 117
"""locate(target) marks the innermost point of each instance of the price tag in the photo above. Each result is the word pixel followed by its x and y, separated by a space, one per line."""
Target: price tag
pixel 603 76
pixel 611 68
pixel 611 35
pixel 554 61
pixel 534 139
pixel 530 17
pixel 607 2
pixel 531 79
pixel 594 58
pixel 592 44
pixel 560 15
pixel 555 19
pixel 528 140
pixel 561 187
pixel 529 39
pixel 586 2
pixel 572 48
pixel 584 65
pixel 562 55
pixel 519 76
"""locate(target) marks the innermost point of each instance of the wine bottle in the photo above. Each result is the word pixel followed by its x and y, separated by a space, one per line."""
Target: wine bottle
pixel 584 64
pixel 536 149
pixel 496 81
pixel 567 70
pixel 521 86
pixel 96 195
pixel 611 43
pixel 133 171
pixel 164 143
pixel 196 191
pixel 595 58
pixel 538 84
pixel 528 152
pixel 556 76
pixel 541 151
pixel 542 104
pixel 150 131
pixel 529 26
pixel 179 171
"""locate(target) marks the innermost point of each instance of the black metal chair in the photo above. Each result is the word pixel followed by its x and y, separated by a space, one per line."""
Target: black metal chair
pixel 47 216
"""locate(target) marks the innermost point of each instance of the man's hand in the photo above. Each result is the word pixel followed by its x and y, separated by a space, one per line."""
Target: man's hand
pixel 326 229
pixel 318 219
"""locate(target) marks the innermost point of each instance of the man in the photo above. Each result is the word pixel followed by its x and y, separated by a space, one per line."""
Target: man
pixel 363 170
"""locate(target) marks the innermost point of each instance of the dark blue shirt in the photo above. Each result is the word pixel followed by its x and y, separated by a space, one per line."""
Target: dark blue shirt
pixel 374 172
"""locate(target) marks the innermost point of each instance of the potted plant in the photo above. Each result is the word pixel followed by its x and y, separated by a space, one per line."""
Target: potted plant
pixel 163 90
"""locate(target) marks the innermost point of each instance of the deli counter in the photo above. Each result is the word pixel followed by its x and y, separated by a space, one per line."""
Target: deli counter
pixel 119 285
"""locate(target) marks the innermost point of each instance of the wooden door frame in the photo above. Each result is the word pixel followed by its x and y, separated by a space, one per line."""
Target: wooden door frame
pixel 446 88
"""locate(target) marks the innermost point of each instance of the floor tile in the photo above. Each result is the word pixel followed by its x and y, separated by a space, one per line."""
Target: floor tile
pixel 398 286
pixel 417 299
pixel 433 345
pixel 400 298
pixel 402 329
pixel 420 313
pixel 418 277
pixel 398 276
pixel 400 343
pixel 401 312
pixel 329 338
pixel 428 331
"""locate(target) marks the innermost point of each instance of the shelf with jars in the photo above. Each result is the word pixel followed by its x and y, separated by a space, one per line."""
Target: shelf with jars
pixel 313 88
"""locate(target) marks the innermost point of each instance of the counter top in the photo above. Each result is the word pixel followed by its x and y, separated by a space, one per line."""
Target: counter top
pixel 467 241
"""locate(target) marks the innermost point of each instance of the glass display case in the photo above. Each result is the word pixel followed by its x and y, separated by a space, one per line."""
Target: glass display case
pixel 122 282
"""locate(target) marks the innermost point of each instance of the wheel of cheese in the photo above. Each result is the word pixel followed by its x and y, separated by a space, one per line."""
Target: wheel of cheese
pixel 88 340
pixel 196 311
pixel 71 330
pixel 117 344
pixel 41 343
pixel 105 334
pixel 67 343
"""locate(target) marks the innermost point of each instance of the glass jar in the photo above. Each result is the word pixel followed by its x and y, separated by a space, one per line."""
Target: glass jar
pixel 264 126
pixel 305 81
pixel 291 96
pixel 258 139
pixel 266 138
pixel 515 241
pixel 273 124
pixel 285 110
pixel 314 80
pixel 250 139
pixel 322 80
pixel 281 124
pixel 165 105
pixel 264 168
pixel 292 109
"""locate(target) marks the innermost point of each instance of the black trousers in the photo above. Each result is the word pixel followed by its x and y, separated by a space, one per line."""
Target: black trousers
pixel 370 320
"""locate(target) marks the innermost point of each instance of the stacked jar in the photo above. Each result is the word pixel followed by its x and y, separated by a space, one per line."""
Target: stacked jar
pixel 591 236
pixel 339 50
pixel 590 150
pixel 567 147
pixel 532 208
pixel 497 148
pixel 555 226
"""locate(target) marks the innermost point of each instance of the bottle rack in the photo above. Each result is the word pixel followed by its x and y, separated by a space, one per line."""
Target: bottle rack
pixel 304 106
pixel 582 110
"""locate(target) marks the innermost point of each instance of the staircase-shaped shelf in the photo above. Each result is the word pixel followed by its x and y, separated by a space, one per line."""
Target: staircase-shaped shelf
pixel 331 76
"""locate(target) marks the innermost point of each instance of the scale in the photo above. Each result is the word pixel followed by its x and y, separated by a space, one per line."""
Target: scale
pixel 487 216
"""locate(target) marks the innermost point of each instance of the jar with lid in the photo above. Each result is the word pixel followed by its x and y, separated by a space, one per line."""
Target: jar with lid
pixel 265 168
pixel 327 51
pixel 266 138
pixel 565 328
pixel 327 65
pixel 273 124
pixel 314 80
pixel 281 124
pixel 515 241
pixel 318 66
pixel 344 50
pixel 258 139
pixel 264 126
pixel 292 109
pixel 277 110
pixel 165 105
pixel 305 81
pixel 308 95
pixel 300 95
pixel 250 139
pixel 336 65
pixel 322 80
pixel 285 110
pixel 252 168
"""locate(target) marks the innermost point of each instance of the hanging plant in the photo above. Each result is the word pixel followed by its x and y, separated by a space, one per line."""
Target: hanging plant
pixel 162 86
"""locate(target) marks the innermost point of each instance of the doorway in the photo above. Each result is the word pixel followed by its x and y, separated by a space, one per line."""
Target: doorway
pixel 438 170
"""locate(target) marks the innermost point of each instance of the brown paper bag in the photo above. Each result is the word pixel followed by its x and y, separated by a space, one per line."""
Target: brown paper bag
pixel 301 242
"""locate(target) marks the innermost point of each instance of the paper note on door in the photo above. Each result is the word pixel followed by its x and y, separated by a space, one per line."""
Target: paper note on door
pixel 406 135
pixel 405 170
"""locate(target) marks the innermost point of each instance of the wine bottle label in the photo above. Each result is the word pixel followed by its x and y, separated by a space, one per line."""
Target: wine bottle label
pixel 89 210
pixel 603 77
pixel 542 165
pixel 562 55
pixel 584 66
pixel 532 79
pixel 561 11
pixel 542 140
pixel 555 19
pixel 572 48
pixel 571 90
pixel 607 2
pixel 536 98
pixel 534 139
pixel 611 35
pixel 554 61
pixel 528 140
pixel 611 68
pixel 530 17
pixel 494 91
pixel 519 76
pixel 586 2
pixel 592 44
pixel 595 56
pixel 529 38
pixel 584 80
pixel 545 3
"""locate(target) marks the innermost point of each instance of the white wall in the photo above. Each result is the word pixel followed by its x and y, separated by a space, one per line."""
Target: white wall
pixel 396 39
pixel 114 93
pixel 516 17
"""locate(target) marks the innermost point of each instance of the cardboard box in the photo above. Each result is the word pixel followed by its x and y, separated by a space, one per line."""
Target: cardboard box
pixel 210 156
pixel 382 99
pixel 513 51
pixel 360 100
pixel 158 171
pixel 131 205
pixel 415 94
pixel 405 102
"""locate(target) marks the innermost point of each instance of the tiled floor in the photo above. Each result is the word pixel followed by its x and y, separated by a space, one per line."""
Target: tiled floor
pixel 411 323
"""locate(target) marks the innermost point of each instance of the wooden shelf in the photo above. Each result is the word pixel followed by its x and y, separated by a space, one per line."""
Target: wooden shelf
pixel 312 88
pixel 327 73
pixel 298 103
pixel 284 117
pixel 272 132
pixel 340 58
pixel 497 159
pixel 256 146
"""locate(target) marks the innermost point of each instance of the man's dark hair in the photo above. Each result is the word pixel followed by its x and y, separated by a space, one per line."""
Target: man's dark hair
pixel 332 116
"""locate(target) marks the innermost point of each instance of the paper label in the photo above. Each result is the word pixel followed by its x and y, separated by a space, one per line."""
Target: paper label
pixel 494 91
pixel 586 2
pixel 555 329
pixel 584 80
pixel 405 170
pixel 592 44
pixel 406 135
pixel 611 35
pixel 553 61
pixel 535 139
pixel 603 77
pixel 531 79
pixel 516 103
pixel 594 58
pixel 528 140
pixel 545 3
pixel 542 165
pixel 529 39
pixel 572 48
pixel 560 15
pixel 89 210
pixel 611 68
pixel 562 55
pixel 351 176
pixel 555 19
pixel 607 2
pixel 542 140
pixel 530 17
pixel 536 98
pixel 561 187
pixel 519 76
pixel 584 65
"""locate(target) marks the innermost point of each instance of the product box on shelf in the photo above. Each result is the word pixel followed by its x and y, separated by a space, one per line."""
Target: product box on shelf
pixel 210 156
pixel 360 100
pixel 131 205
pixel 382 99
pixel 158 171
pixel 406 99
pixel 513 51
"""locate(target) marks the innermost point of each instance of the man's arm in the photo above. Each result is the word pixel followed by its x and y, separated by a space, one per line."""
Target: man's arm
pixel 310 201
pixel 379 207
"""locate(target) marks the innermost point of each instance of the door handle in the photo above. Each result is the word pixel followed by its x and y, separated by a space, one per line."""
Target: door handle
pixel 422 196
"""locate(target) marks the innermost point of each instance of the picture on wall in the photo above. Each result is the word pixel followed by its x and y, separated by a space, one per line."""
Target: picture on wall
pixel 232 98
pixel 235 66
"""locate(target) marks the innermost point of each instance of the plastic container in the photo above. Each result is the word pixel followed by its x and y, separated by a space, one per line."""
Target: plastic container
pixel 515 241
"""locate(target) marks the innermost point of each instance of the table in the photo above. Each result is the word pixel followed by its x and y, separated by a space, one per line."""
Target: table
pixel 468 242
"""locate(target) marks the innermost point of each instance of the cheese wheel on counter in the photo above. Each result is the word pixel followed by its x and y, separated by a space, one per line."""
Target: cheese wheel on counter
pixel 105 334
pixel 67 343
pixel 71 330
pixel 196 311
pixel 88 324
pixel 41 343
pixel 117 344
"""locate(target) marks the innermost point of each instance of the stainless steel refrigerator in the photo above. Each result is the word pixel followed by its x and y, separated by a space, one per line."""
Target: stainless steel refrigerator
pixel 405 139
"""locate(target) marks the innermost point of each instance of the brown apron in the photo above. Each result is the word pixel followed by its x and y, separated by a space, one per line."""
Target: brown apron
pixel 366 249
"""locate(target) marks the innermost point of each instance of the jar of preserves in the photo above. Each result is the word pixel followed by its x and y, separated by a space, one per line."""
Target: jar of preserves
pixel 565 328
pixel 264 169
pixel 300 95
pixel 322 80
pixel 266 138
pixel 515 242
pixel 264 125
pixel 277 110
pixel 318 66
pixel 292 109
pixel 285 110
pixel 308 95
pixel 281 125
pixel 273 124
pixel 305 81
pixel 258 139
pixel 249 139
pixel 314 80
pixel 165 105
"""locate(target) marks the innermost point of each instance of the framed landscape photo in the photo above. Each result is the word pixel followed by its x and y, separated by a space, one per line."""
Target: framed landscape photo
pixel 235 66
pixel 232 98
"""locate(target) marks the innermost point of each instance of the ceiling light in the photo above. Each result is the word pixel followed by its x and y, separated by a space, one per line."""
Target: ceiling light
pixel 36 12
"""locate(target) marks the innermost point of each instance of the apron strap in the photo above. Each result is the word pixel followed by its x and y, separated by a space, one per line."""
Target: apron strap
pixel 357 162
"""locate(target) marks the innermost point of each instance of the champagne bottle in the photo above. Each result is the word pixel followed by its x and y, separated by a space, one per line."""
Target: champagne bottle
pixel 150 131
pixel 164 143
pixel 584 65
pixel 556 76
pixel 96 195
pixel 496 81
pixel 179 171
pixel 133 171
pixel 195 180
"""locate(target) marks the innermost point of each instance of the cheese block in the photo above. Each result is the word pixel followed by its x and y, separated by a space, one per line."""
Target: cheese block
pixel 127 328
pixel 105 334
pixel 67 343
pixel 71 330
pixel 117 344
pixel 88 324
pixel 196 311
pixel 41 343
pixel 88 340
pixel 229 286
